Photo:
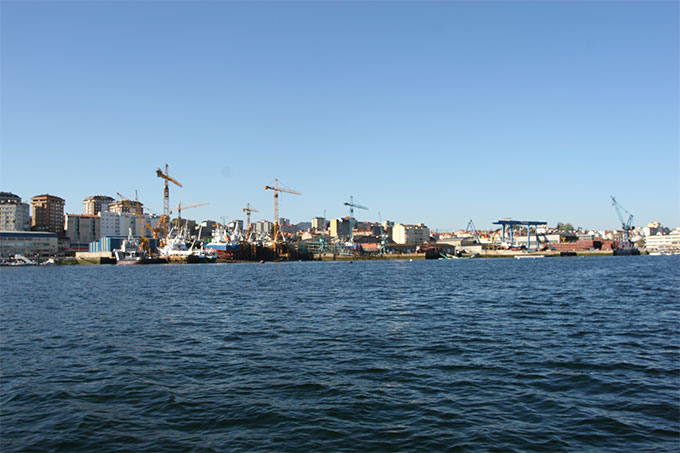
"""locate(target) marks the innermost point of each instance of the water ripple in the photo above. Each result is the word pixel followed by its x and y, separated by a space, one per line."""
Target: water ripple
pixel 462 355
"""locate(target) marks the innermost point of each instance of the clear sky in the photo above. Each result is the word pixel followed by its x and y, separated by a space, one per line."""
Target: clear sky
pixel 433 112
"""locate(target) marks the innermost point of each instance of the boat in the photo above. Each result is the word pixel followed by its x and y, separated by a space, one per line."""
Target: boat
pixel 626 251
pixel 223 244
pixel 18 260
pixel 519 257
pixel 130 252
pixel 176 249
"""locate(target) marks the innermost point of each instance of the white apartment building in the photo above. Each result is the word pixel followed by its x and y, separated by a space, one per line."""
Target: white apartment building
pixel 15 216
pixel 410 234
pixel 264 227
pixel 664 242
pixel 119 223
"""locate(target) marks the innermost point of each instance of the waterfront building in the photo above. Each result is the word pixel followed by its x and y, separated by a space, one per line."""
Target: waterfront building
pixel 410 234
pixel 664 242
pixel 340 228
pixel 81 229
pixel 96 203
pixel 48 213
pixel 14 215
pixel 28 243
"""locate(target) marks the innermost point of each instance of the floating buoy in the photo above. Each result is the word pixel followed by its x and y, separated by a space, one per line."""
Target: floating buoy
pixel 411 260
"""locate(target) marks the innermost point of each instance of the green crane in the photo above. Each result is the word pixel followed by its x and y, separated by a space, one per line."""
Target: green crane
pixel 352 205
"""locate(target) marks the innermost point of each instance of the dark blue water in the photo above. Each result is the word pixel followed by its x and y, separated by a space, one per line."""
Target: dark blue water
pixel 575 354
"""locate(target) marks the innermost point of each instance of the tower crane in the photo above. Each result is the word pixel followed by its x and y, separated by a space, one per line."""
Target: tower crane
pixel 276 190
pixel 179 211
pixel 248 210
pixel 626 225
pixel 166 196
pixel 352 205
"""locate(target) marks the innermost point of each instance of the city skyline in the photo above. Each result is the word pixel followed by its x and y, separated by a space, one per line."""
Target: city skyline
pixel 436 113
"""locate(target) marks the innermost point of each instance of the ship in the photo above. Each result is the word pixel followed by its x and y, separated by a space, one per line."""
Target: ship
pixel 130 252
pixel 226 246
pixel 177 250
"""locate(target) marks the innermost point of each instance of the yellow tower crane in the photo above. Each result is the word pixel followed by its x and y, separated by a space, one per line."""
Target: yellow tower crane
pixel 248 210
pixel 276 190
pixel 179 211
pixel 166 196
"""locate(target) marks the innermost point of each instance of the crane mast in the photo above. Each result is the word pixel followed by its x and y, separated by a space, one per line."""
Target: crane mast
pixel 276 190
pixel 179 211
pixel 166 196
pixel 352 205
pixel 248 210
pixel 627 225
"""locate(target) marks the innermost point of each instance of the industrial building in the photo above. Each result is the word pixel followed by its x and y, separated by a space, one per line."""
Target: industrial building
pixel 28 243
pixel 48 213
pixel 14 215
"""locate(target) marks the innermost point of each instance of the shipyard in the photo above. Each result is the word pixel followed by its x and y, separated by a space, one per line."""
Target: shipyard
pixel 340 226
pixel 118 231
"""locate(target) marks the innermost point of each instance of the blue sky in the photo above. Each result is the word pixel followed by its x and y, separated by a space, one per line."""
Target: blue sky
pixel 434 112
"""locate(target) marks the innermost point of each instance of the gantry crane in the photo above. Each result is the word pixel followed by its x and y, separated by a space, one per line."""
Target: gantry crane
pixel 276 190
pixel 626 225
pixel 179 211
pixel 166 196
pixel 248 210
pixel 352 205
pixel 471 229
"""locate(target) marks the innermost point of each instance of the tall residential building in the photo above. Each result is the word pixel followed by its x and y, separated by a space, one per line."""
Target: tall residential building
pixel 410 234
pixel 96 203
pixel 340 227
pixel 125 206
pixel 48 214
pixel 82 229
pixel 264 226
pixel 14 215
pixel 319 223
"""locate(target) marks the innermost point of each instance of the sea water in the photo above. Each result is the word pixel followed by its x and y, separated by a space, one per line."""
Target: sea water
pixel 575 354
